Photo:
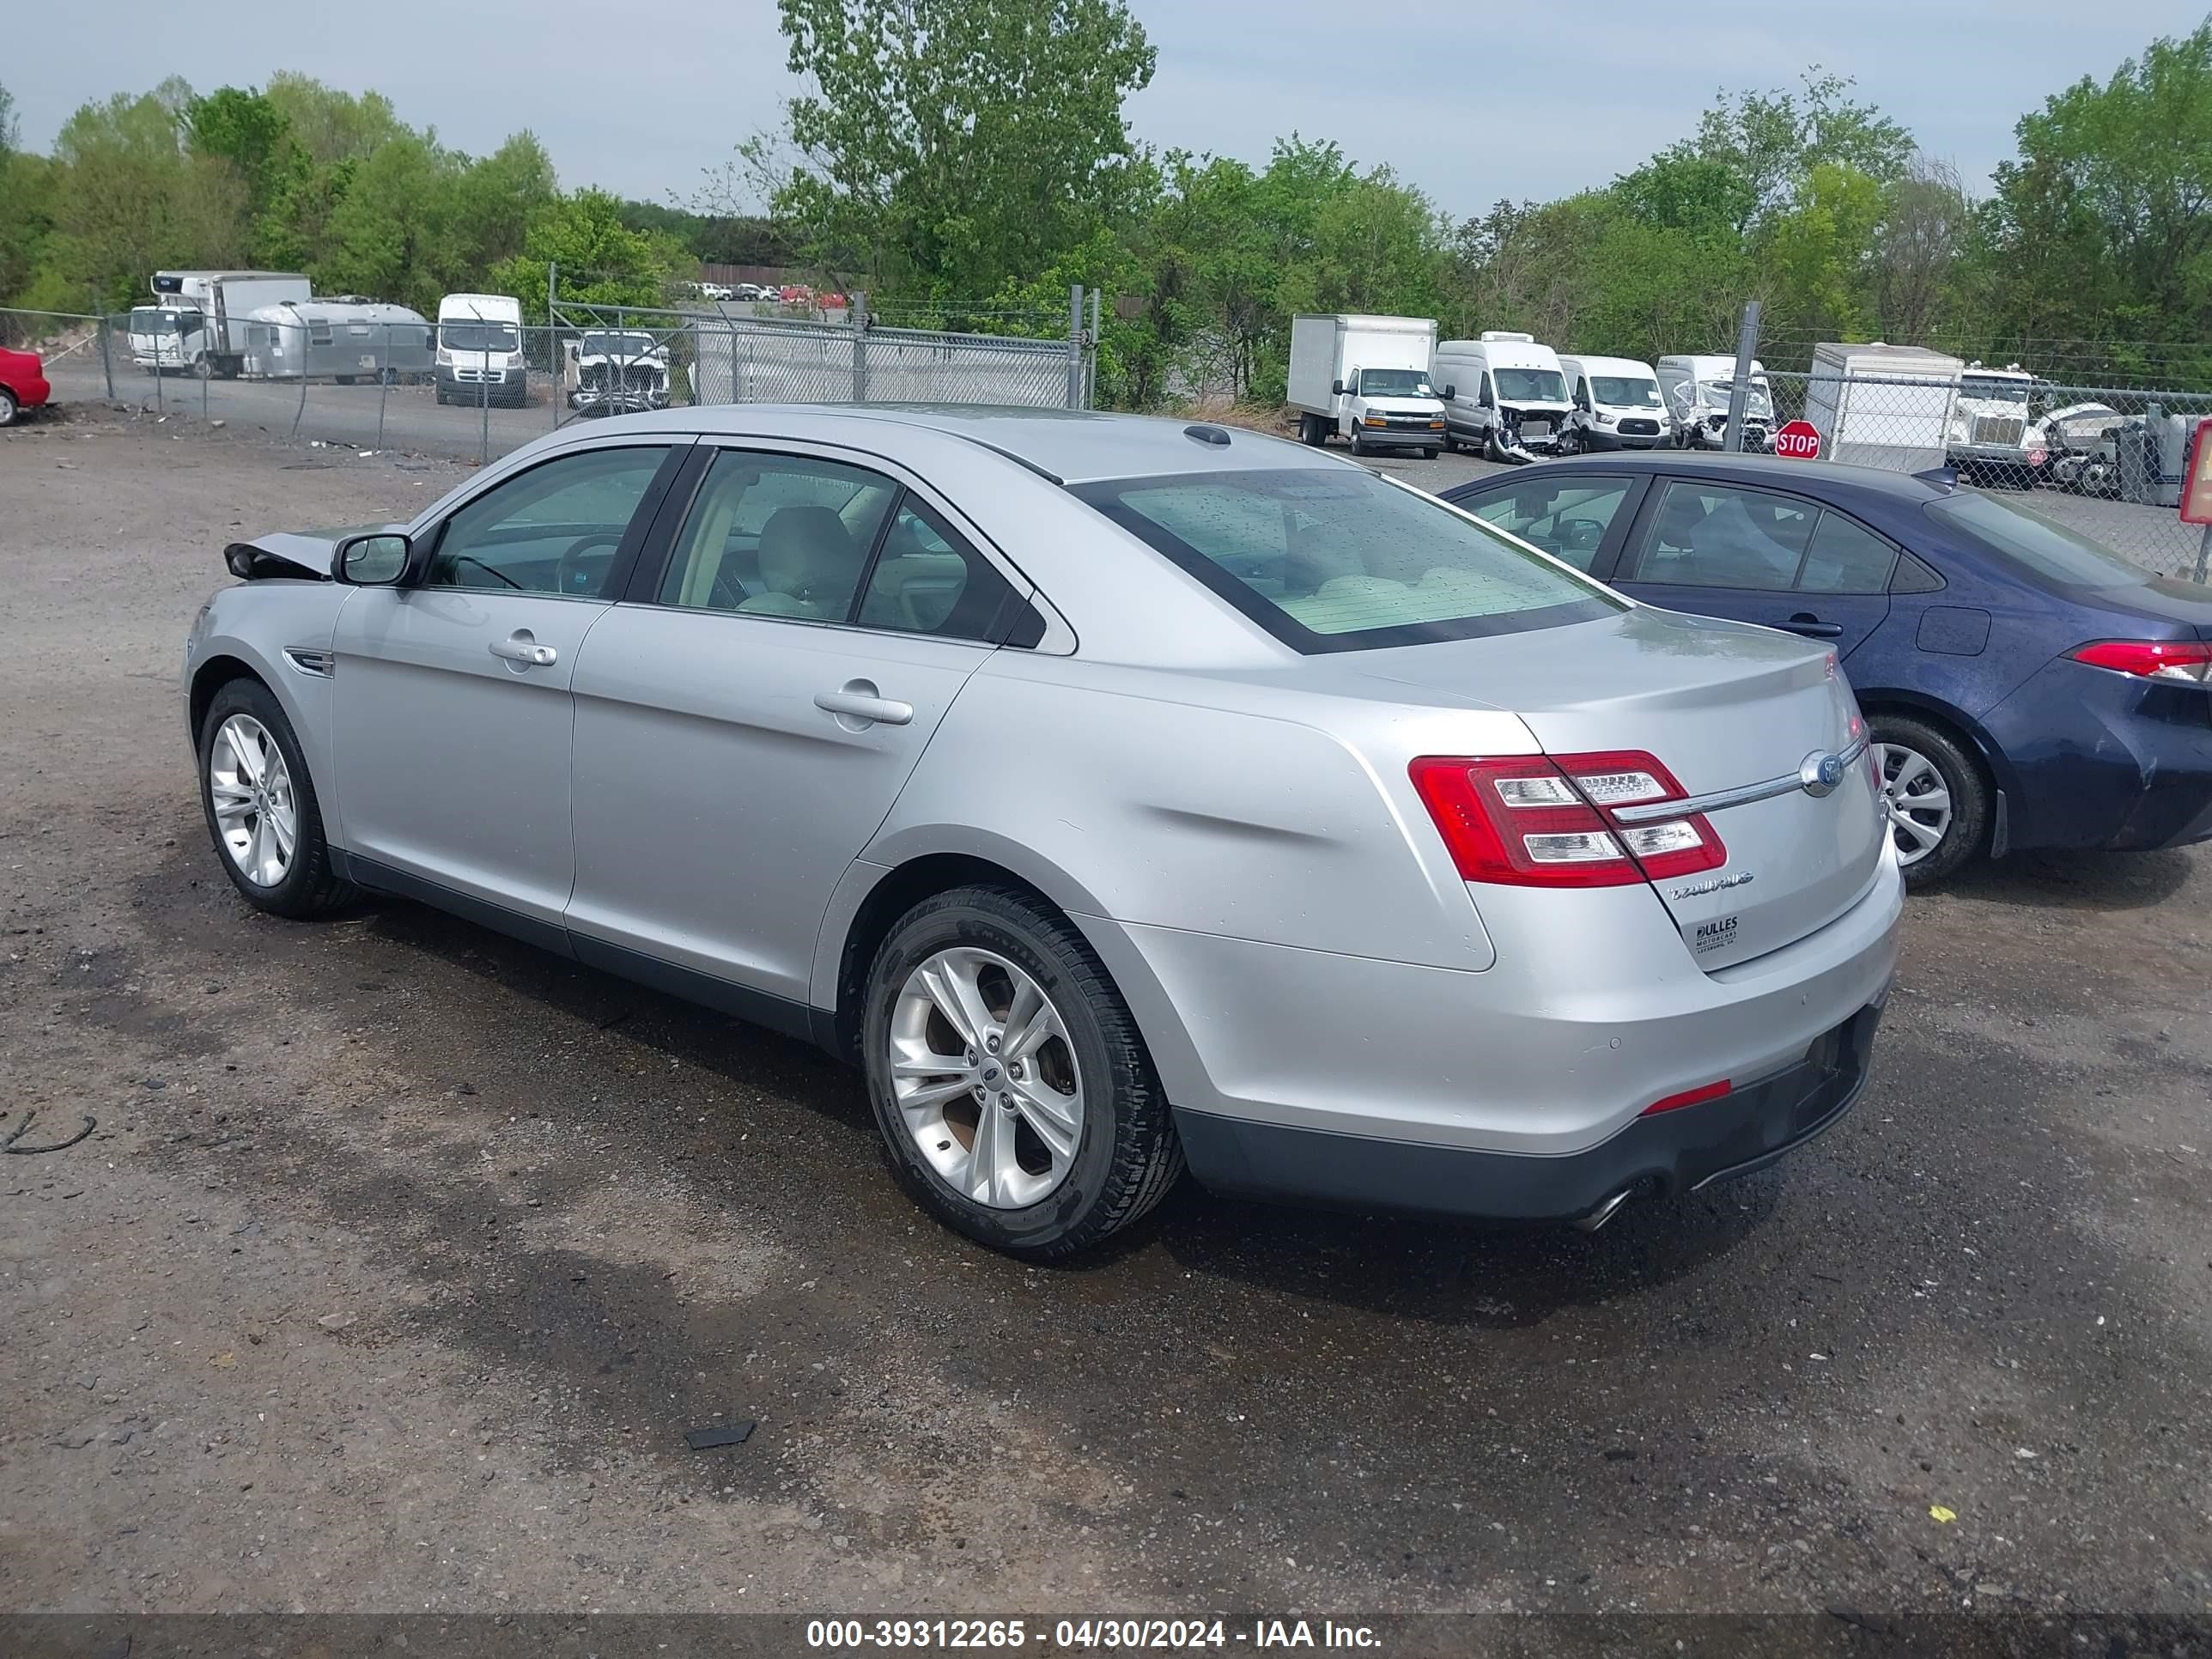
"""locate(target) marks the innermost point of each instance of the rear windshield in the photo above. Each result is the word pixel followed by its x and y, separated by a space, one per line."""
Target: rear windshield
pixel 1338 560
pixel 2049 550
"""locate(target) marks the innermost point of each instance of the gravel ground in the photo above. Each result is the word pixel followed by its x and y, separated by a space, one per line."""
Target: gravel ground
pixel 402 1256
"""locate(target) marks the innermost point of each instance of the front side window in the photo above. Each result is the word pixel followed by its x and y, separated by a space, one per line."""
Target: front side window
pixel 778 536
pixel 1339 560
pixel 555 529
pixel 1566 517
pixel 1719 536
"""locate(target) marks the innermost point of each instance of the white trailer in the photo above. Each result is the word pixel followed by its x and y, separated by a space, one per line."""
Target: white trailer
pixel 1367 380
pixel 1882 405
pixel 198 318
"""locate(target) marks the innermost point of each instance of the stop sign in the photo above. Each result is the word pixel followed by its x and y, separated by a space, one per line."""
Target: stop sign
pixel 1798 442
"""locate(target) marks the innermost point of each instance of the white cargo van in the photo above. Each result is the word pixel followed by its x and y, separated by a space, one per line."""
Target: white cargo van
pixel 1696 389
pixel 1882 405
pixel 1510 395
pixel 1617 404
pixel 199 318
pixel 480 351
pixel 1366 379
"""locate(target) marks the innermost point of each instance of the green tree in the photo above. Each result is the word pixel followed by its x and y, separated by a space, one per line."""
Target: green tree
pixel 602 261
pixel 1761 146
pixel 1817 255
pixel 948 147
pixel 2102 228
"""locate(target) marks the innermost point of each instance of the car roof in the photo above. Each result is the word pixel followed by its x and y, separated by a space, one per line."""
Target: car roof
pixel 1805 476
pixel 1068 446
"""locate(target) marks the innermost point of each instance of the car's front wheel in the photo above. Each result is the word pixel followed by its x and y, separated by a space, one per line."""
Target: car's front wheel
pixel 1933 796
pixel 1008 1078
pixel 261 808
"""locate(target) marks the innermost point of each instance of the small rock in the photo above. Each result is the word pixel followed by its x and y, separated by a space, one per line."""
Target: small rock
pixel 335 1321
pixel 156 1083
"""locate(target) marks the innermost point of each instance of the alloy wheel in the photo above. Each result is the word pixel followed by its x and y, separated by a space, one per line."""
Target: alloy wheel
pixel 255 813
pixel 1915 799
pixel 985 1078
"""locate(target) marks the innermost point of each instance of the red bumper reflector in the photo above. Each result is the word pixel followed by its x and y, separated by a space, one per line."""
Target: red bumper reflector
pixel 1689 1097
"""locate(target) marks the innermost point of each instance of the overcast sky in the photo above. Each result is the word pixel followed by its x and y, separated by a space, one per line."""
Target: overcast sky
pixel 1472 102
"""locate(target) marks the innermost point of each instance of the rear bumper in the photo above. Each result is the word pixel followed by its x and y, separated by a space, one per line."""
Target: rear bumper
pixel 1673 1152
pixel 2105 760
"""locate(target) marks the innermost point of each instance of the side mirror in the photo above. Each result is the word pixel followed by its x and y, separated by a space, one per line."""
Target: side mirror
pixel 373 561
pixel 1486 401
pixel 1450 392
pixel 1336 388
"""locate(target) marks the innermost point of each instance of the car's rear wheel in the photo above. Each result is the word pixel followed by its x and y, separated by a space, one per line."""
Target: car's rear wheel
pixel 1934 800
pixel 8 408
pixel 261 808
pixel 1008 1078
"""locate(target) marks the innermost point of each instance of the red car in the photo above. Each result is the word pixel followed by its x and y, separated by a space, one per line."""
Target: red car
pixel 22 384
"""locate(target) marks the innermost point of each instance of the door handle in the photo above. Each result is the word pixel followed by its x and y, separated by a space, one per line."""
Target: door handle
pixel 520 647
pixel 856 700
pixel 1812 628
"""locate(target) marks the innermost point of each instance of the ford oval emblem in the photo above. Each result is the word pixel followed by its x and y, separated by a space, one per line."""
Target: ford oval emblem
pixel 1818 774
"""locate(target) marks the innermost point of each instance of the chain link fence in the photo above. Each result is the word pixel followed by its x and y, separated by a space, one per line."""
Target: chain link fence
pixel 377 385
pixel 2105 461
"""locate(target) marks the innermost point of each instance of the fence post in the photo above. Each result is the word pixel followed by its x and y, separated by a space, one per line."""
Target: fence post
pixel 1746 348
pixel 107 369
pixel 1075 345
pixel 859 317
pixel 484 405
pixel 1091 356
pixel 300 357
pixel 382 382
pixel 552 340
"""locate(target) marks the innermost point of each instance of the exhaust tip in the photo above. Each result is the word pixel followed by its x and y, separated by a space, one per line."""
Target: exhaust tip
pixel 1604 1212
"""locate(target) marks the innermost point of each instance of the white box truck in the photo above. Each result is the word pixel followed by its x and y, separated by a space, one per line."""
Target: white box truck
pixel 197 320
pixel 1882 405
pixel 1366 379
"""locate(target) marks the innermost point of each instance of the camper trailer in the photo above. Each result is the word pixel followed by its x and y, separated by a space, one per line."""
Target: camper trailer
pixel 343 339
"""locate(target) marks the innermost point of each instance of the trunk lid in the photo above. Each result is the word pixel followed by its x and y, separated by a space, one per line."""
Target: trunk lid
pixel 1722 707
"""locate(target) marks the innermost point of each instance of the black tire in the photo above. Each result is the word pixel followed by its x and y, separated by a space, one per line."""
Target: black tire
pixel 1968 832
pixel 1129 1157
pixel 309 888
pixel 1429 454
pixel 8 407
pixel 342 379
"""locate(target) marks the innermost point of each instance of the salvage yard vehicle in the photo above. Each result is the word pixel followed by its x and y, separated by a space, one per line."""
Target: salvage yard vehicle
pixel 1990 440
pixel 2081 448
pixel 1882 405
pixel 614 372
pixel 1698 388
pixel 197 321
pixel 480 358
pixel 22 384
pixel 1367 380
pixel 1617 405
pixel 1511 395
pixel 1405 867
pixel 2025 687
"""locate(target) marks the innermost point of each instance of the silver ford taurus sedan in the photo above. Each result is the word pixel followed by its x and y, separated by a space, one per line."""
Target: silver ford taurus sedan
pixel 1118 794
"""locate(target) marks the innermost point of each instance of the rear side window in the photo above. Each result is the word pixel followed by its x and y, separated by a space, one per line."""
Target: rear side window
pixel 927 579
pixel 1721 536
pixel 2048 550
pixel 1338 560
pixel 1845 558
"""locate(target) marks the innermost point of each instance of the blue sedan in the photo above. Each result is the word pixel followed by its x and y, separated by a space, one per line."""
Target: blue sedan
pixel 2025 687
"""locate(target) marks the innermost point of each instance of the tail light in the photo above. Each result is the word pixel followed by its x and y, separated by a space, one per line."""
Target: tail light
pixel 1689 1097
pixel 2154 659
pixel 1546 821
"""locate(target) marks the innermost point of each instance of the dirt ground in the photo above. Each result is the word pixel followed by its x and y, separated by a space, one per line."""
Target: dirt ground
pixel 402 1257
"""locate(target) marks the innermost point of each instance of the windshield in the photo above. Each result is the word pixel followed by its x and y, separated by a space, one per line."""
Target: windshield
pixel 598 344
pixel 2047 548
pixel 152 319
pixel 1530 385
pixel 1395 382
pixel 479 337
pixel 1994 392
pixel 1625 390
pixel 1341 559
pixel 1756 401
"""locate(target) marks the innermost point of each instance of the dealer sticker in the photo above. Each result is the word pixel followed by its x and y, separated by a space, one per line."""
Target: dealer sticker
pixel 1710 936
